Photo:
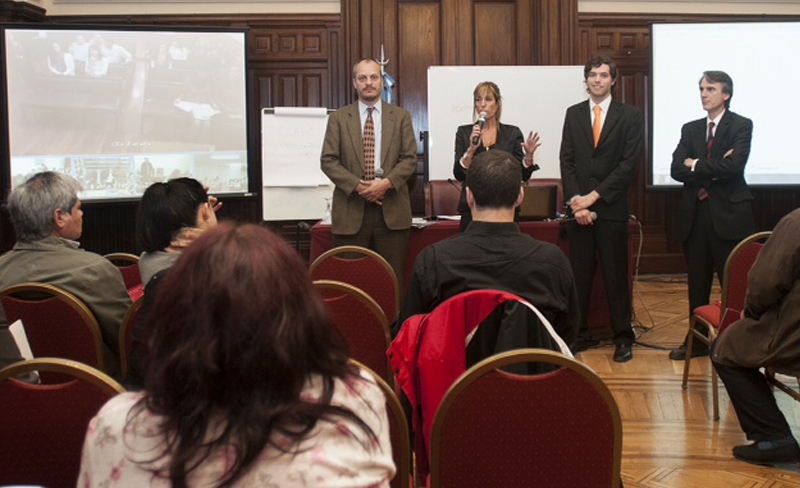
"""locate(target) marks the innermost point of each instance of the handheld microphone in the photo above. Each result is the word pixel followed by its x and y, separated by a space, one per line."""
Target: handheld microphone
pixel 378 173
pixel 592 215
pixel 481 122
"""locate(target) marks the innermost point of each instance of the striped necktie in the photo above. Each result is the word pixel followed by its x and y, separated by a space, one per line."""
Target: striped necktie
pixel 369 146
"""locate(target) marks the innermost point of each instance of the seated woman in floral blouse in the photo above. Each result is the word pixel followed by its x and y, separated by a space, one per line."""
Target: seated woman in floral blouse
pixel 248 384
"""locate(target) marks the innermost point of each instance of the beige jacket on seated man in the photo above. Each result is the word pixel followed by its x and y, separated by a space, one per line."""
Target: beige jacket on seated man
pixel 47 252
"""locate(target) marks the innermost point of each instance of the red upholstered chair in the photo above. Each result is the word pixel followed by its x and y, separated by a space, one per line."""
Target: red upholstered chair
pixel 431 351
pixel 362 322
pixel 42 427
pixel 128 265
pixel 398 431
pixel 365 269
pixel 557 429
pixel 721 314
pixel 443 196
pixel 125 341
pixel 56 323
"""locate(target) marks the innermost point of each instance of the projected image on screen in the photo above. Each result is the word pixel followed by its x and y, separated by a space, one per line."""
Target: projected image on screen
pixel 121 109
pixel 756 56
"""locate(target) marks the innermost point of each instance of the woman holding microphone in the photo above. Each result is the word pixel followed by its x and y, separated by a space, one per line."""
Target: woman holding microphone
pixel 488 133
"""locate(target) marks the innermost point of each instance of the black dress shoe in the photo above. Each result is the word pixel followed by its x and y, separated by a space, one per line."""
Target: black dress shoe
pixel 583 344
pixel 679 354
pixel 623 353
pixel 765 454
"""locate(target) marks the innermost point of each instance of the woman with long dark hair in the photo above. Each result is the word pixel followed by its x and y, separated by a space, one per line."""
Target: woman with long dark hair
pixel 247 382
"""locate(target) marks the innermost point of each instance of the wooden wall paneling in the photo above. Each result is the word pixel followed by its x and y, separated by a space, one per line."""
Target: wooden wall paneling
pixel 14 11
pixel 293 60
pixel 419 42
pixel 297 87
pixel 496 33
pixel 556 24
pixel 417 46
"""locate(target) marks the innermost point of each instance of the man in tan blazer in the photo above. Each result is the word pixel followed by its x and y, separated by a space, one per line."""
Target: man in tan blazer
pixel 371 209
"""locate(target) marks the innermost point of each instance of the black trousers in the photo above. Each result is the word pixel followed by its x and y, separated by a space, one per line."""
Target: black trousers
pixel 754 402
pixel 606 241
pixel 705 253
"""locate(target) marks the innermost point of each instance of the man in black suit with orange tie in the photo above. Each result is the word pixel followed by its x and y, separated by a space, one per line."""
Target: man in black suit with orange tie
pixel 600 149
pixel 716 205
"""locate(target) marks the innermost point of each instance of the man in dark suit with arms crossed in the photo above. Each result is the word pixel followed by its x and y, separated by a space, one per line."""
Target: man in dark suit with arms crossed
pixel 716 205
pixel 600 149
pixel 371 208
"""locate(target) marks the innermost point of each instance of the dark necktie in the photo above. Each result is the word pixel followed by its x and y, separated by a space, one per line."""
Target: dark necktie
pixel 710 140
pixel 702 193
pixel 369 146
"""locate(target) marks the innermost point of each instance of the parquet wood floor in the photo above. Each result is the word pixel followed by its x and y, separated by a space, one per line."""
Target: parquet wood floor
pixel 670 438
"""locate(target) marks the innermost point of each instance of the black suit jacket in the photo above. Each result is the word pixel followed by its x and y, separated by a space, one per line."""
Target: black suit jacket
pixel 509 138
pixel 729 199
pixel 608 168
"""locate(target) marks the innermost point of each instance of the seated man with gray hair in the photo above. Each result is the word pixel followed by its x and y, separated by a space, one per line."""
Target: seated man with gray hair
pixel 48 220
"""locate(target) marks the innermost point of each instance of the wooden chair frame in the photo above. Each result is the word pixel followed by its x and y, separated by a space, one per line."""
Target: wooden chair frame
pixel 128 265
pixel 712 329
pixel 395 409
pixel 370 254
pixel 67 367
pixel 515 357
pixel 72 301
pixel 124 257
pixel 44 425
pixel 371 304
pixel 769 373
pixel 128 323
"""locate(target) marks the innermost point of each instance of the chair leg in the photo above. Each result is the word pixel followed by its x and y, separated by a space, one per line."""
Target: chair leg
pixel 687 360
pixel 715 393
pixel 712 334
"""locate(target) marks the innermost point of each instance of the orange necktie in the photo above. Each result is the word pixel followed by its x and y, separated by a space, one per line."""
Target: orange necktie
pixel 597 127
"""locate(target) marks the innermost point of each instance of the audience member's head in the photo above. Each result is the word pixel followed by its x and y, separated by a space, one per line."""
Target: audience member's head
pixel 46 204
pixel 494 180
pixel 238 330
pixel 166 208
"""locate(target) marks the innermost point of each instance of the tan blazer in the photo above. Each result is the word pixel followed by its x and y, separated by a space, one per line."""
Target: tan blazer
pixel 343 162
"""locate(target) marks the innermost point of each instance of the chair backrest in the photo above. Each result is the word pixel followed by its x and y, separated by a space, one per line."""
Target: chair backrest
pixel 42 427
pixel 125 340
pixel 443 196
pixel 398 431
pixel 363 268
pixel 558 429
pixel 737 266
pixel 362 322
pixel 432 351
pixel 128 265
pixel 56 322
